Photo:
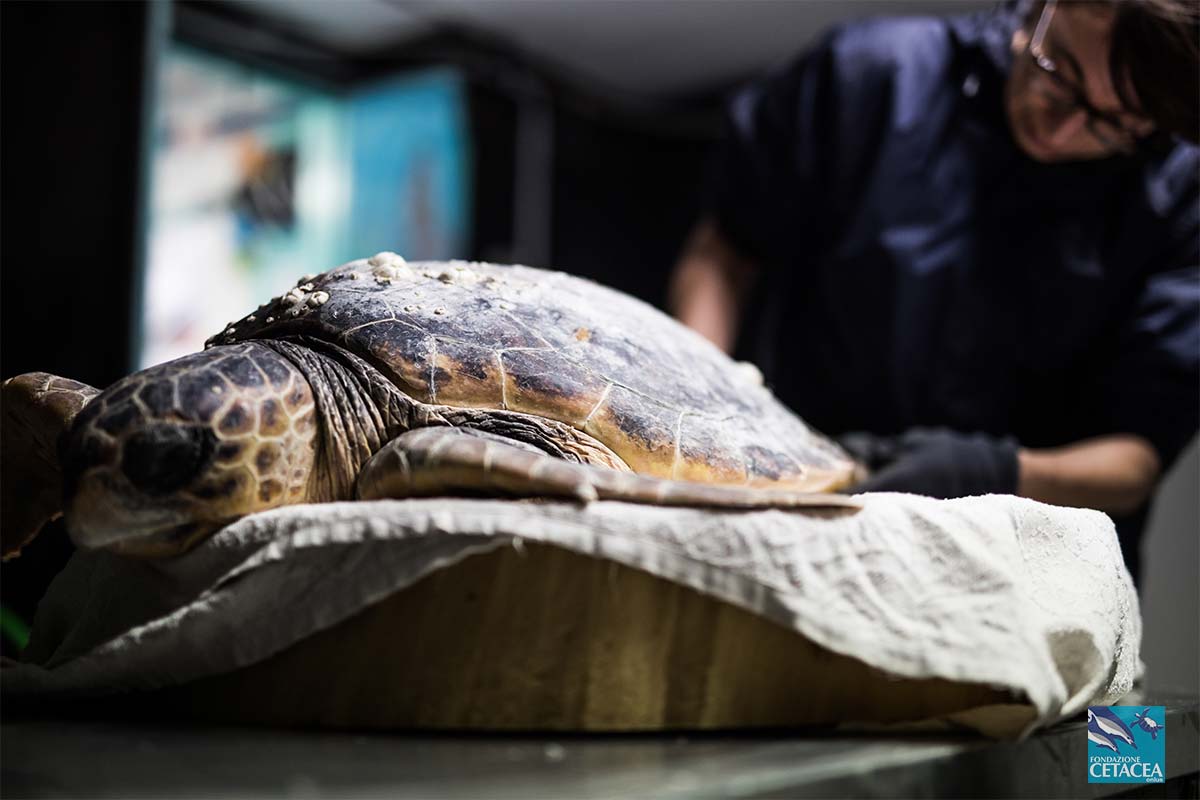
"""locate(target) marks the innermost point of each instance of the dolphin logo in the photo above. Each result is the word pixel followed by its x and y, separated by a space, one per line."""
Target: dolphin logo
pixel 1103 741
pixel 1105 722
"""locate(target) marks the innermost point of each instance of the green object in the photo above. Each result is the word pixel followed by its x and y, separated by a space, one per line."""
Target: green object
pixel 14 628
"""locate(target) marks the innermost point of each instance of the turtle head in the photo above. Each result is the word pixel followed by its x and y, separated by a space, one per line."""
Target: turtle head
pixel 168 455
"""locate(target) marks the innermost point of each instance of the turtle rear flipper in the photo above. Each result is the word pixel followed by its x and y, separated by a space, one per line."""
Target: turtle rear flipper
pixel 37 408
pixel 433 461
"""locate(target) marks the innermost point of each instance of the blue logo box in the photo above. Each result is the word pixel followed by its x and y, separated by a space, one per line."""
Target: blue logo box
pixel 1126 744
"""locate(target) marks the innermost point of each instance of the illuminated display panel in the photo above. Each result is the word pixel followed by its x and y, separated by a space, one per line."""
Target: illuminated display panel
pixel 257 181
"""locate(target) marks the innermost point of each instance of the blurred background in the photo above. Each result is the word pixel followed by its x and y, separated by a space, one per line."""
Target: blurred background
pixel 167 166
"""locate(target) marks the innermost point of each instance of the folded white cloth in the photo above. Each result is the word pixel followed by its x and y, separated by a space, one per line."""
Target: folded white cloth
pixel 995 590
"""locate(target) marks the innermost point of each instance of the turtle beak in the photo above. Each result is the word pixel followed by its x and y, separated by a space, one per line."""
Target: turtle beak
pixel 129 490
pixel 96 517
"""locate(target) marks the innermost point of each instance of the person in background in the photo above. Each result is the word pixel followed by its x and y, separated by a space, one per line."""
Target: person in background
pixel 971 247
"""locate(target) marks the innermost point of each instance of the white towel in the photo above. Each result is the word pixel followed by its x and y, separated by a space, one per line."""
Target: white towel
pixel 994 590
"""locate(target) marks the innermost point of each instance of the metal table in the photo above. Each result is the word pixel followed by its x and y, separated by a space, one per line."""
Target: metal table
pixel 57 757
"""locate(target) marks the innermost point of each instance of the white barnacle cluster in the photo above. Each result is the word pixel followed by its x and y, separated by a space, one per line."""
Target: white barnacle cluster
pixel 302 297
pixel 387 267
pixel 457 274
pixel 298 300
pixel 227 336
pixel 294 302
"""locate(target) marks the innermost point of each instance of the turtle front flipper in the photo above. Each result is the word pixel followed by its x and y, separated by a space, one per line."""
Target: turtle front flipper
pixel 37 408
pixel 437 461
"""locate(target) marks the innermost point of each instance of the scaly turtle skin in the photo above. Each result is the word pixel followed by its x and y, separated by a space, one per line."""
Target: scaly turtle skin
pixel 387 379
pixel 37 408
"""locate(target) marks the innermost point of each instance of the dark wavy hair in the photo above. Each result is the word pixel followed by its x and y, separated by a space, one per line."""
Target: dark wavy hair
pixel 1155 62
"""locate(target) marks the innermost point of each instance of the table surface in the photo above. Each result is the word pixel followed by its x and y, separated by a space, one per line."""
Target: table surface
pixel 63 757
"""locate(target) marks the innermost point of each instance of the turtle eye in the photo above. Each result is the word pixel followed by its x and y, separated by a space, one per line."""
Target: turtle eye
pixel 162 458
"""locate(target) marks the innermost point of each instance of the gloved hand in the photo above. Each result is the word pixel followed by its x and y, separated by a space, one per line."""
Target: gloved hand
pixel 937 462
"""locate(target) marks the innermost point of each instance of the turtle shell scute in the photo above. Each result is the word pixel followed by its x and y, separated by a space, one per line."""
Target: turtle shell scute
pixel 554 345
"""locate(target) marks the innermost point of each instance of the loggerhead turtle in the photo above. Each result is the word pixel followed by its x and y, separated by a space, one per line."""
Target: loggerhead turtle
pixel 382 378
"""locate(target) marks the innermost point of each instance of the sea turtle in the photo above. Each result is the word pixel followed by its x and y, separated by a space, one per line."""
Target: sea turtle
pixel 1150 726
pixel 382 378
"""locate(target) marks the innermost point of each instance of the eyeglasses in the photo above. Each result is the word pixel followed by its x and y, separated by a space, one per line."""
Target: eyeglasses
pixel 1069 97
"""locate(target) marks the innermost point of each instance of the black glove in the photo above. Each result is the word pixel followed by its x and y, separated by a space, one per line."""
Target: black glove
pixel 936 462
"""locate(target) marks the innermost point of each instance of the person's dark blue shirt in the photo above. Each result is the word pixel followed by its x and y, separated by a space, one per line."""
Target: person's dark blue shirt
pixel 922 271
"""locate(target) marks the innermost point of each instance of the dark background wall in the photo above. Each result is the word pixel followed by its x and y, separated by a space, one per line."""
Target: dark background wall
pixel 74 89
pixel 73 78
